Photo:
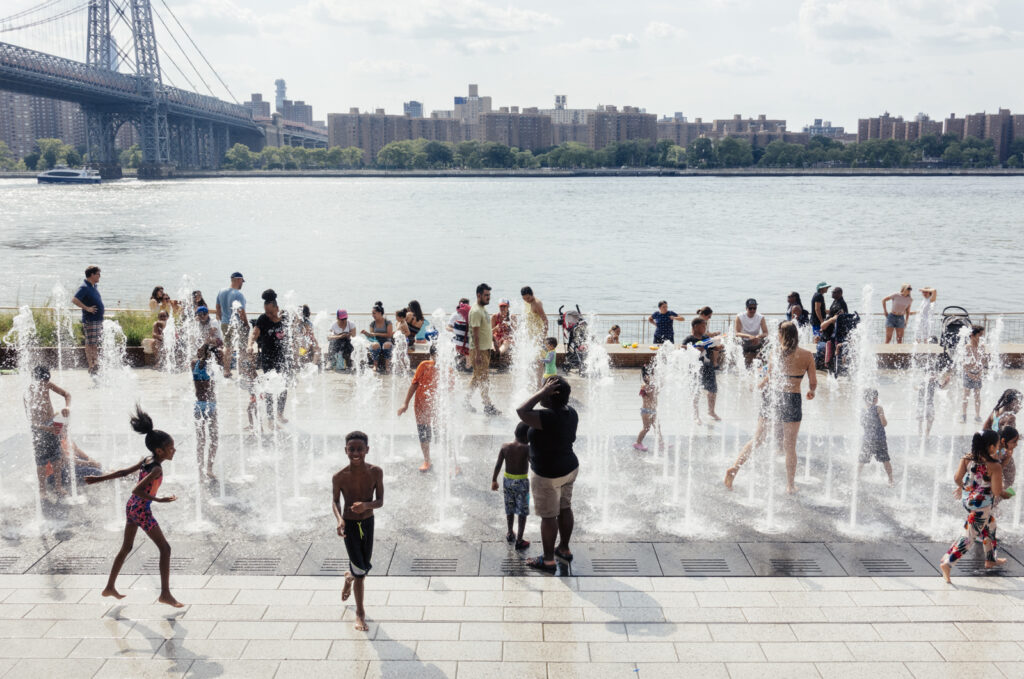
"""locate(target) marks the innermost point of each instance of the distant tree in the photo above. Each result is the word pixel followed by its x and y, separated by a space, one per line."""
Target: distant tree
pixel 526 160
pixel 239 157
pixel 781 154
pixel 494 155
pixel 700 154
pixel 675 156
pixel 53 152
pixel 31 161
pixel 1015 158
pixel 439 154
pixel 271 159
pixel 7 160
pixel 396 155
pixel 131 156
pixel 733 152
pixel 952 154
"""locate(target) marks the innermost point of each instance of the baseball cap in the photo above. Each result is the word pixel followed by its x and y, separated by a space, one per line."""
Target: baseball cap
pixel 238 274
pixel 504 302
pixel 751 302
pixel 202 310
pixel 342 314
pixel 822 285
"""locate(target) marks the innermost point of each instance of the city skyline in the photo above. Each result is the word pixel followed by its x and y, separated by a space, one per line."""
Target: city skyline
pixel 794 59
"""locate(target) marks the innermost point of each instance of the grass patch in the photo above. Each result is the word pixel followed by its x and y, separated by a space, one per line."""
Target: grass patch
pixel 137 325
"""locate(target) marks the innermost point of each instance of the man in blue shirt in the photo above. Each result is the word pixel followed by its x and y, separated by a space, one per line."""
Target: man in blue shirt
pixel 662 320
pixel 226 299
pixel 89 301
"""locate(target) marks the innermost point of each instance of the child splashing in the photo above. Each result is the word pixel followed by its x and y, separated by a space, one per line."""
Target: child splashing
pixel 138 512
pixel 981 475
pixel 875 443
pixel 648 410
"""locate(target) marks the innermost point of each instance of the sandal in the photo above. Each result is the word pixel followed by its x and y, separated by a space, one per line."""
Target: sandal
pixel 564 556
pixel 510 538
pixel 537 563
pixel 522 544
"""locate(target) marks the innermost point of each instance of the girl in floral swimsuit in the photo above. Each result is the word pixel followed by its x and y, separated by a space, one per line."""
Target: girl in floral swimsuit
pixel 981 475
pixel 137 512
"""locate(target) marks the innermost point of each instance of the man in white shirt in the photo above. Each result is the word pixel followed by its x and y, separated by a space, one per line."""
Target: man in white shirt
pixel 752 329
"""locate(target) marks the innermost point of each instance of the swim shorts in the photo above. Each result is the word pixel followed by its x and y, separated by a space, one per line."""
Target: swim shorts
pixel 46 446
pixel 204 410
pixel 876 448
pixel 424 432
pixel 517 495
pixel 93 333
pixel 790 406
pixel 359 545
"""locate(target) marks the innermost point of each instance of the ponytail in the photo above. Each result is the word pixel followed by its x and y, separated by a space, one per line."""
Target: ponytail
pixel 1009 399
pixel 142 423
pixel 378 306
pixel 1007 434
pixel 981 442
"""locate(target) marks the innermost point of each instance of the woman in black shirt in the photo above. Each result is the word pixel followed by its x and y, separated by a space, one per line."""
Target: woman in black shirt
pixel 271 334
pixel 553 467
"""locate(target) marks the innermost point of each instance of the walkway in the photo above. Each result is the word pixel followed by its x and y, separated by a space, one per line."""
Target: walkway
pixel 254 627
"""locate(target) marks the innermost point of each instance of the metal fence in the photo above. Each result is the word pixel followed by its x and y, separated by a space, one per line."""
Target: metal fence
pixel 637 328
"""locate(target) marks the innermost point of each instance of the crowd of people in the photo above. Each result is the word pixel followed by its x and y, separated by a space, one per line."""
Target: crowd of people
pixel 540 460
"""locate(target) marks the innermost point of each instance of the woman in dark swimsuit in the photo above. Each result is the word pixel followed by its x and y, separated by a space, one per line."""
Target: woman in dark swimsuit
pixel 380 333
pixel 271 334
pixel 137 512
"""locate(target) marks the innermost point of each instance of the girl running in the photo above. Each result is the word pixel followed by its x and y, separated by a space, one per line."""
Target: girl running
pixel 139 514
pixel 981 475
pixel 648 410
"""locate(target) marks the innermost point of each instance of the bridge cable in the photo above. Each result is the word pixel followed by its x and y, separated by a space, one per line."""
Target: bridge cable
pixel 173 16
pixel 30 10
pixel 182 49
pixel 47 20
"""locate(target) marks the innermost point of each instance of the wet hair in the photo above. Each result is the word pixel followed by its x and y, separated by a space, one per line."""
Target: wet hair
pixel 1008 434
pixel 357 436
pixel 305 311
pixel 645 372
pixel 482 288
pixel 41 373
pixel 1011 398
pixel 158 289
pixel 162 316
pixel 662 302
pixel 977 330
pixel 697 320
pixel 980 444
pixel 525 290
pixel 201 301
pixel 870 396
pixel 432 350
pixel 796 298
pixel 704 311
pixel 553 341
pixel 142 423
pixel 91 270
pixel 615 327
pixel 416 309
pixel 400 314
pixel 522 429
pixel 790 337
pixel 378 306
pixel 560 398
pixel 269 296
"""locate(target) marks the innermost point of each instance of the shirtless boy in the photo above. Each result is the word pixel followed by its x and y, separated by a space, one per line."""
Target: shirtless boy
pixel 516 458
pixel 46 436
pixel 361 486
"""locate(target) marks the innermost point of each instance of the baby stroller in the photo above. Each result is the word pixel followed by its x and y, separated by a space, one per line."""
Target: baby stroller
pixel 954 320
pixel 574 335
pixel 837 347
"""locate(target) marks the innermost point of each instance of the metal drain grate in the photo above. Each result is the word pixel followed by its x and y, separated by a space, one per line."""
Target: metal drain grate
pixel 513 566
pixel 79 564
pixel 178 564
pixel 334 565
pixel 974 564
pixel 795 566
pixel 705 566
pixel 255 564
pixel 611 565
pixel 886 566
pixel 434 565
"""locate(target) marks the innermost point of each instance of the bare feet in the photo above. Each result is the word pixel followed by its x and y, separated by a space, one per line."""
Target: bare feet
pixel 210 475
pixel 791 489
pixel 995 564
pixel 714 417
pixel 361 625
pixel 110 591
pixel 730 474
pixel 425 467
pixel 346 591
pixel 282 419
pixel 170 600
pixel 945 568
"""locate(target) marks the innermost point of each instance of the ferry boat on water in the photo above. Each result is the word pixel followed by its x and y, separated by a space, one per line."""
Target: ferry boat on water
pixel 67 175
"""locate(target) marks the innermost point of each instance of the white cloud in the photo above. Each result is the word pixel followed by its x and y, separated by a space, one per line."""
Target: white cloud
pixel 739 64
pixel 619 41
pixel 388 69
pixel 663 30
pixel 432 19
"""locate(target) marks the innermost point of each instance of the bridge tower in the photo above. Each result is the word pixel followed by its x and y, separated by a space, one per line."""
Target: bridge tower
pixel 150 119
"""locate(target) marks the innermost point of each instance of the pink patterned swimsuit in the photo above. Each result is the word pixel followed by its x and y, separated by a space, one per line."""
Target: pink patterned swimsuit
pixel 137 509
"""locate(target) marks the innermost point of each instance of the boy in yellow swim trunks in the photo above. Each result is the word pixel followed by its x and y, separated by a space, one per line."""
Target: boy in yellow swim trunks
pixel 516 458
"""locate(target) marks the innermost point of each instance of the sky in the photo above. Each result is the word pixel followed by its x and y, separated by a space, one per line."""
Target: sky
pixel 839 60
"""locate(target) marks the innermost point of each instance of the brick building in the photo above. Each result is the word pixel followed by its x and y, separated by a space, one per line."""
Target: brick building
pixel 528 129
pixel 607 125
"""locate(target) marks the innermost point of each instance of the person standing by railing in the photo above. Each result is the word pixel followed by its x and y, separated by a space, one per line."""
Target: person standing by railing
pixel 89 300
pixel 662 320
pixel 923 331
pixel 896 319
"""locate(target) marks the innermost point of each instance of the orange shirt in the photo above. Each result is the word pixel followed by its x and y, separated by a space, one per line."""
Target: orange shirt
pixel 425 380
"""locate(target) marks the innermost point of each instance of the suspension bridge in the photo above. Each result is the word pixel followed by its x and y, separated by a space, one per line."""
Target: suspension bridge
pixel 123 80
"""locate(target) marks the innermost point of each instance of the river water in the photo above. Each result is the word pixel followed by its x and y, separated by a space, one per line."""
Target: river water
pixel 608 244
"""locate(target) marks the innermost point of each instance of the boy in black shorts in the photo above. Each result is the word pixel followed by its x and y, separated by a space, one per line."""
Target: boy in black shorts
pixel 516 458
pixel 875 444
pixel 701 341
pixel 362 487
